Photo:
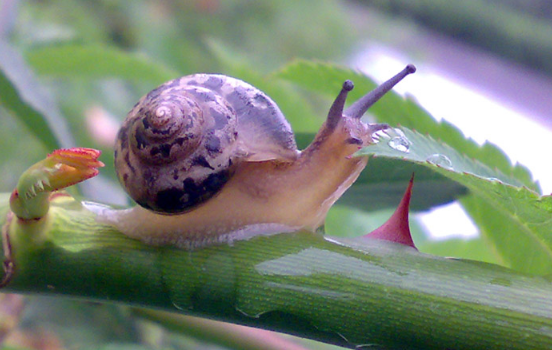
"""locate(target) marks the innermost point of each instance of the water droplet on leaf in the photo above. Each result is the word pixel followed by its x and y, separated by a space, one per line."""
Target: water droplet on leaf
pixel 440 160
pixel 400 142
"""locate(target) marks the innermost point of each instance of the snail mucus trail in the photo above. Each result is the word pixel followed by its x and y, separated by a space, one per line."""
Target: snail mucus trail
pixel 268 191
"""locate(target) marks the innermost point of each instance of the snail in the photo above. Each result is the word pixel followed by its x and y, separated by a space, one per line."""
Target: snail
pixel 210 159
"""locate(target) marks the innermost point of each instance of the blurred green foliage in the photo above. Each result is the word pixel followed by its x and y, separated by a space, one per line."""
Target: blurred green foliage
pixel 180 35
pixel 519 30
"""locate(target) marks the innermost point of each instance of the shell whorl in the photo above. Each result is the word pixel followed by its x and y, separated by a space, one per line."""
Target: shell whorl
pixel 181 142
pixel 170 127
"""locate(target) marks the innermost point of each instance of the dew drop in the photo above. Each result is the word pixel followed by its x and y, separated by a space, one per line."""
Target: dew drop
pixel 440 160
pixel 400 143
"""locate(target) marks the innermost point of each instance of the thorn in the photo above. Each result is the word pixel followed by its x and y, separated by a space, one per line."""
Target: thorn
pixel 396 228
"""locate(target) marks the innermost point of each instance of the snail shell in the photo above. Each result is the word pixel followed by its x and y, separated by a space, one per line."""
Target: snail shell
pixel 182 142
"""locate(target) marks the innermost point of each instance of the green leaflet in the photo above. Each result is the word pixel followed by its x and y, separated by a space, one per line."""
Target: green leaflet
pixel 97 61
pixel 516 220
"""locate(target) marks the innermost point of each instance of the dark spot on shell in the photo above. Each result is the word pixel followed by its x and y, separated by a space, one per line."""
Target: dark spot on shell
pixel 239 100
pixel 215 181
pixel 178 200
pixel 261 101
pixel 221 119
pixel 189 122
pixel 201 161
pixel 212 144
pixel 125 177
pixel 170 200
pixel 145 122
pixel 214 83
pixel 206 96
pixel 141 140
pixel 180 140
pixel 164 150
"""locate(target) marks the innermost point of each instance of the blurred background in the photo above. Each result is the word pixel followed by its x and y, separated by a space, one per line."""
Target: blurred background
pixel 484 65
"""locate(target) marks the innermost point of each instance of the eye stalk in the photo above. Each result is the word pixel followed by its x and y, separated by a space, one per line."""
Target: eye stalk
pixel 357 109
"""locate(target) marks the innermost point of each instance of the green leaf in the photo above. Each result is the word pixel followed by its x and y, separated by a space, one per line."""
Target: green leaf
pixel 516 220
pixel 395 110
pixel 97 61
pixel 22 95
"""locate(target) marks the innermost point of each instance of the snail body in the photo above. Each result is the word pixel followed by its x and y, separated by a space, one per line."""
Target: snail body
pixel 241 174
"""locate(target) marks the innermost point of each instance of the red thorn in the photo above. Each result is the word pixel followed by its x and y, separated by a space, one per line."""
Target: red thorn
pixel 396 229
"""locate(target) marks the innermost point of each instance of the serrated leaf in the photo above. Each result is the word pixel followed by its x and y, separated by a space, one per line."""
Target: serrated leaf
pixel 395 110
pixel 514 219
pixel 97 61
pixel 22 95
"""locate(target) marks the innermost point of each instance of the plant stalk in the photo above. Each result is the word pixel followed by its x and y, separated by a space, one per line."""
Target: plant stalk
pixel 342 292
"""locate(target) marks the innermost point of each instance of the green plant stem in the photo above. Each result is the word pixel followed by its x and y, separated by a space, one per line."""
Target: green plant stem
pixel 348 293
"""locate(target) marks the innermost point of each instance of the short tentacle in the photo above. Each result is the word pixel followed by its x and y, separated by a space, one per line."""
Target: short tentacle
pixel 357 109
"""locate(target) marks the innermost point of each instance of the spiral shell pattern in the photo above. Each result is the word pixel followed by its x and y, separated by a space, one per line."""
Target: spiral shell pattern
pixel 181 142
